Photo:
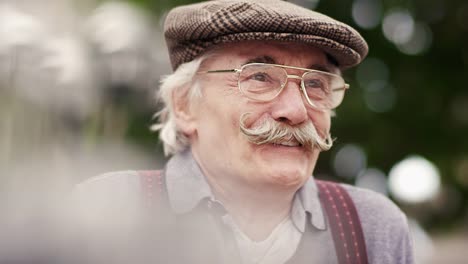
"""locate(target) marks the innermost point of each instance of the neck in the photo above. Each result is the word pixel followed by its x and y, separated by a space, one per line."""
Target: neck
pixel 256 211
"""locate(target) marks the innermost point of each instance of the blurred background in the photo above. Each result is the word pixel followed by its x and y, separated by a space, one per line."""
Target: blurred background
pixel 77 98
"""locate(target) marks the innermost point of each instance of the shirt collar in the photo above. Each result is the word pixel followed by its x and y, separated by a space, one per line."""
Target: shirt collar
pixel 306 201
pixel 187 187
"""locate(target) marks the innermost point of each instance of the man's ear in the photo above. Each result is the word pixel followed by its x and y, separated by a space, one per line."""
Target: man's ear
pixel 184 113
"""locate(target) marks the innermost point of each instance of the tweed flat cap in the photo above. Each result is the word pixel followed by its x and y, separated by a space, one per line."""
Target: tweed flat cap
pixel 192 29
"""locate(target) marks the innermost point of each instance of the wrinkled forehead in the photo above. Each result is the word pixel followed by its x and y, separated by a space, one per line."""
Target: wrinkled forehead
pixel 284 53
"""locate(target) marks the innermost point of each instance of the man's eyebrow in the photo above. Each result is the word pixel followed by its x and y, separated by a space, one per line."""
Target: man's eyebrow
pixel 262 59
pixel 320 67
pixel 270 60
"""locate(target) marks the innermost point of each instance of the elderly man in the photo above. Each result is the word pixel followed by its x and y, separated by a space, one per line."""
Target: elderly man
pixel 246 114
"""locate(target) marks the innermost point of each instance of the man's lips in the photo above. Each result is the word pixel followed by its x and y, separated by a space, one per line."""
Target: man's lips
pixel 290 143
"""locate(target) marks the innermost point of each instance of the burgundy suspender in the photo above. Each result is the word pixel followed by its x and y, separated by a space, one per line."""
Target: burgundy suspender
pixel 342 216
pixel 344 223
pixel 153 186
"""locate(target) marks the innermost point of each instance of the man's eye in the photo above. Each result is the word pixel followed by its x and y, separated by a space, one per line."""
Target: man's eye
pixel 260 76
pixel 314 84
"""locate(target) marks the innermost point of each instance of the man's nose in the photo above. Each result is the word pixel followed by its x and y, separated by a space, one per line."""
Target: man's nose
pixel 289 107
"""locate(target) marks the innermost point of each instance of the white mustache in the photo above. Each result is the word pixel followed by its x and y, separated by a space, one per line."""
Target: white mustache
pixel 271 131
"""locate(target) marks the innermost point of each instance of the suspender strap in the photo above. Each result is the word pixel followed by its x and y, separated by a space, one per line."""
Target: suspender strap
pixel 153 186
pixel 342 216
pixel 344 223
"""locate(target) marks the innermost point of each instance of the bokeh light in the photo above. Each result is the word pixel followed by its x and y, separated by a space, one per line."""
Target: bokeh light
pixel 398 26
pixel 373 76
pixel 372 69
pixel 367 13
pixel 419 42
pixel 380 96
pixel 349 161
pixel 414 180
pixel 373 179
pixel 410 37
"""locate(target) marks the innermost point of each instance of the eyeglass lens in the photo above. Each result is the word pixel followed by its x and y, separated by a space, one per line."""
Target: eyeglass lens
pixel 265 82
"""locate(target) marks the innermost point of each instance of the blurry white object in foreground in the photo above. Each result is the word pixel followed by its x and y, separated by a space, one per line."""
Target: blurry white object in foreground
pixel 18 28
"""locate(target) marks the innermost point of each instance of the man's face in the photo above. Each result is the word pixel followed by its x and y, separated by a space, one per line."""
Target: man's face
pixel 222 150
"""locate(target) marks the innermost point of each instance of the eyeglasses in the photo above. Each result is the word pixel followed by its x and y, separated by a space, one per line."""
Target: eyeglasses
pixel 264 82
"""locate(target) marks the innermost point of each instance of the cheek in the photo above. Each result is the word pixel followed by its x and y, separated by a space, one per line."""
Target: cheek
pixel 222 115
pixel 321 121
pixel 231 90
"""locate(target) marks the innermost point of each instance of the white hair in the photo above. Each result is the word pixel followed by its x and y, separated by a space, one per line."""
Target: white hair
pixel 182 80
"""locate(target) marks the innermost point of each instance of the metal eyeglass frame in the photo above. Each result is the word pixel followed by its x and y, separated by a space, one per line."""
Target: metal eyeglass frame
pixel 288 76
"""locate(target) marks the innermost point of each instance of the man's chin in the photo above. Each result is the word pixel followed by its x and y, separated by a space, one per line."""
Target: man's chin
pixel 287 168
pixel 287 179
